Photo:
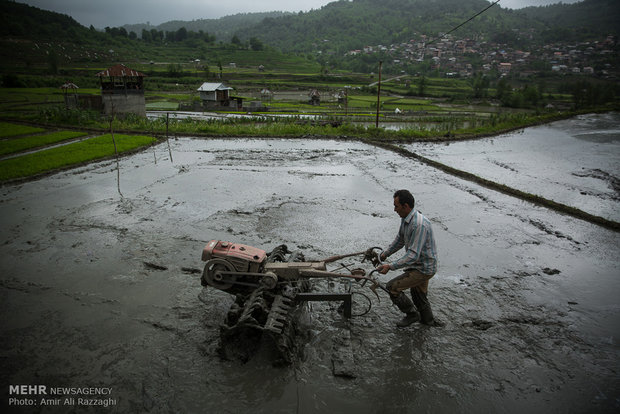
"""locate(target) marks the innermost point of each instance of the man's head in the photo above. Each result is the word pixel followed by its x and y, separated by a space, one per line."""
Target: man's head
pixel 403 203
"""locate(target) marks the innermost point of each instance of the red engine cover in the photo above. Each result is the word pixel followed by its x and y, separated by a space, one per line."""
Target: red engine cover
pixel 217 248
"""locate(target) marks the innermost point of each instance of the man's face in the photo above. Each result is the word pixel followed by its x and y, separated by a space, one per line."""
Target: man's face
pixel 402 210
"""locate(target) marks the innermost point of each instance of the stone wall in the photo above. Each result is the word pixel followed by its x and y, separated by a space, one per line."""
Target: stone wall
pixel 124 102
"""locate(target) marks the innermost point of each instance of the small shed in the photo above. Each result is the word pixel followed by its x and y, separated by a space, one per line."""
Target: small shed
pixel 266 94
pixel 315 97
pixel 122 90
pixel 342 97
pixel 214 92
pixel 217 95
pixel 70 94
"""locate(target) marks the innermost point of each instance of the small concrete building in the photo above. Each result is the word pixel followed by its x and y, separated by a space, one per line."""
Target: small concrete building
pixel 122 90
pixel 217 96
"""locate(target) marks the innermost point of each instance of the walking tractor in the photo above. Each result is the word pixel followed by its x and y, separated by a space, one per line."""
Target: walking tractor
pixel 268 287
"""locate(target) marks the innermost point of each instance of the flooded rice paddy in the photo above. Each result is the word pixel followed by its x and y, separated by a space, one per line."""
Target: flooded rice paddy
pixel 99 286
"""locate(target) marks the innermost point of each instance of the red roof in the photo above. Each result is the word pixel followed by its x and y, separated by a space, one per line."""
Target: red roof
pixel 120 70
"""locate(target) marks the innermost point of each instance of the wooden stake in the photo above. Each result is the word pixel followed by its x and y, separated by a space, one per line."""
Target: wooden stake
pixel 378 95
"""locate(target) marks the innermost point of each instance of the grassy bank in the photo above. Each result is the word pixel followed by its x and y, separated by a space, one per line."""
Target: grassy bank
pixel 11 146
pixel 11 130
pixel 70 155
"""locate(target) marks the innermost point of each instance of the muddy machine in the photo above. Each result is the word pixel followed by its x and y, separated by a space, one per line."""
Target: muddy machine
pixel 268 287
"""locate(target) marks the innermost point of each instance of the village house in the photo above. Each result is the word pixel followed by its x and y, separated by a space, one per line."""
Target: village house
pixel 504 67
pixel 557 57
pixel 122 90
pixel 217 96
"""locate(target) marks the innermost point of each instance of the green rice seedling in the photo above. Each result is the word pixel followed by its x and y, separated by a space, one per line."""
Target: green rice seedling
pixel 70 155
pixel 10 130
pixel 11 146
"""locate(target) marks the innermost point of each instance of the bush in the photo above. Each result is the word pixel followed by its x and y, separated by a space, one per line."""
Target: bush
pixel 11 80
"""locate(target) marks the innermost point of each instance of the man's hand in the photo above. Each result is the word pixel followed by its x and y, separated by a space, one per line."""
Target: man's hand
pixel 383 269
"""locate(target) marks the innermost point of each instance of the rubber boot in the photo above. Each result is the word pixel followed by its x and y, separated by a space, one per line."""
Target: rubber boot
pixel 424 307
pixel 405 305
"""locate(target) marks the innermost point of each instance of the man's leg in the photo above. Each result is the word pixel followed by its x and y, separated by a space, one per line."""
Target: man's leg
pixel 420 299
pixel 396 287
pixel 424 306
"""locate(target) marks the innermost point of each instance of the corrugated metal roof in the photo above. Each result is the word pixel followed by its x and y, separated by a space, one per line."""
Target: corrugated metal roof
pixel 210 87
pixel 120 70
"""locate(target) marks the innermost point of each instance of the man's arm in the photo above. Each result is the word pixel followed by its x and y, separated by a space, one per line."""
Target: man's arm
pixel 395 246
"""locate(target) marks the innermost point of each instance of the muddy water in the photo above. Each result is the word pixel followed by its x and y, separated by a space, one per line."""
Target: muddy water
pixel 98 290
pixel 574 162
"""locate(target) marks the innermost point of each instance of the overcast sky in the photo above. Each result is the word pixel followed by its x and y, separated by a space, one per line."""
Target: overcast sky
pixel 115 13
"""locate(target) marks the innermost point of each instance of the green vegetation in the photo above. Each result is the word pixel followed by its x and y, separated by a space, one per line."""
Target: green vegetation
pixel 344 25
pixel 9 130
pixel 16 145
pixel 70 155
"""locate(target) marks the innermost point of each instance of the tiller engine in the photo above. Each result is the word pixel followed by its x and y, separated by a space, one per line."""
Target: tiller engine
pixel 267 288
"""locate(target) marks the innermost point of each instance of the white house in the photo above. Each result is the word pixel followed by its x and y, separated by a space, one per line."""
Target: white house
pixel 214 92
pixel 217 95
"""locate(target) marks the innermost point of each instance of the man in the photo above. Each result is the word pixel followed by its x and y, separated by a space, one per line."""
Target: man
pixel 419 262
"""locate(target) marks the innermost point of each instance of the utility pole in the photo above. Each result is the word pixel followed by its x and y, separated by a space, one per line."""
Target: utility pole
pixel 378 95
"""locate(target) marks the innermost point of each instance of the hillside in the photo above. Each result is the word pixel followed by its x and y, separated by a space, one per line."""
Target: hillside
pixel 17 19
pixel 223 28
pixel 35 42
pixel 346 25
pixel 344 35
pixel 578 21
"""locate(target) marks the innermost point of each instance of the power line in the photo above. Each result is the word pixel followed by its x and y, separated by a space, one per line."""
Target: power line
pixel 464 23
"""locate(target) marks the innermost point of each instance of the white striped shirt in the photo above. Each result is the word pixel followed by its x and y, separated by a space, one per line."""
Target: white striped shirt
pixel 416 235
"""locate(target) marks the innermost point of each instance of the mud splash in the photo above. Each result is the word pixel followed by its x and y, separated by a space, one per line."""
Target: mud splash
pixel 100 290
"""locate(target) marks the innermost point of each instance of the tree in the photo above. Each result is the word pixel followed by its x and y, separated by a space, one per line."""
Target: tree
pixel 235 40
pixel 52 61
pixel 146 36
pixel 180 34
pixel 256 44
pixel 502 89
pixel 531 94
pixel 157 35
pixel 422 86
pixel 480 85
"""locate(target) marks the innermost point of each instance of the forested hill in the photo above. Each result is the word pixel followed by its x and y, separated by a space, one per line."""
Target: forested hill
pixel 223 28
pixel 587 18
pixel 346 25
pixel 17 19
